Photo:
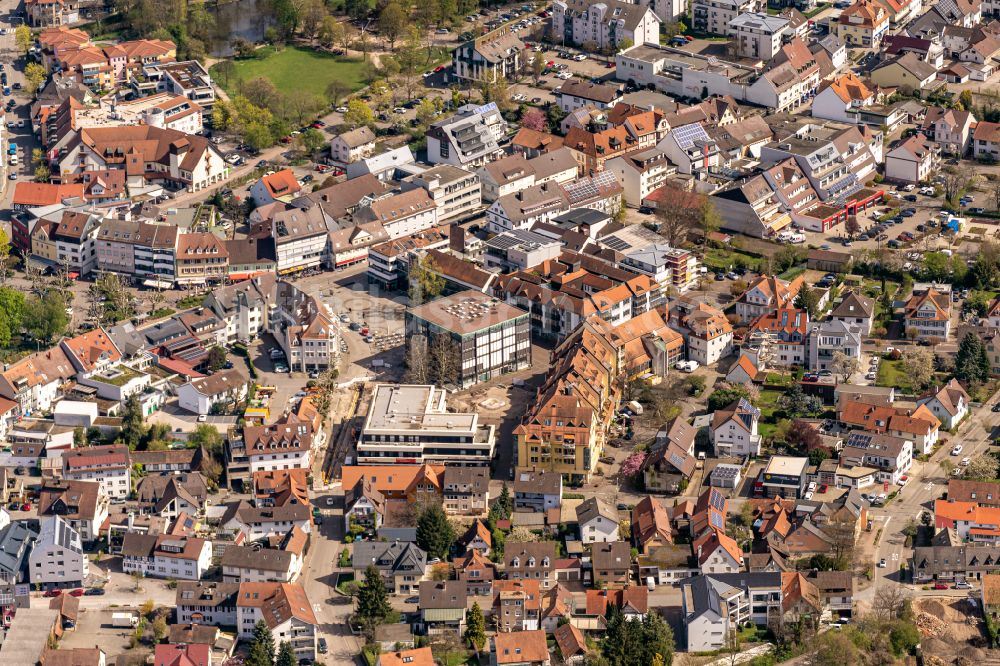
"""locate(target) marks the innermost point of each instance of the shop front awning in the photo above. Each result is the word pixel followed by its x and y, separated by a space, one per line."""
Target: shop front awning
pixel 157 284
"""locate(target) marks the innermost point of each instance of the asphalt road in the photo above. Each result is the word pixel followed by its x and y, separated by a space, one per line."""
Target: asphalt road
pixel 927 483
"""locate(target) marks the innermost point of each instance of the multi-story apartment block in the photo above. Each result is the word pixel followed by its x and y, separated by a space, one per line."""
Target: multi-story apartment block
pixel 245 307
pixel 353 145
pixel 928 315
pixel 490 57
pixel 757 36
pixel 408 212
pixel 519 250
pixel 57 557
pixel 166 556
pixel 209 603
pixel 863 24
pixel 108 465
pixel 52 13
pixel 715 16
pixel 189 78
pixel 84 504
pixel 303 326
pixel 829 337
pixel 674 269
pixel 276 446
pixel 526 208
pixel 605 24
pixel 389 262
pixel 456 192
pixel 73 237
pixel 714 605
pixel 486 338
pixel 467 139
pixel 300 238
pixel 765 295
pixel 411 424
pixel 640 174
pixel 913 160
pixel 285 609
pixel 142 252
pixel 202 259
pixel 734 430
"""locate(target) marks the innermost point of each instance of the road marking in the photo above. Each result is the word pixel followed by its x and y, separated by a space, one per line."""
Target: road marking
pixel 895 556
pixel 929 486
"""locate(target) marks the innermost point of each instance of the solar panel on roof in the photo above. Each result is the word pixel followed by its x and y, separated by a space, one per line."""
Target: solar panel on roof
pixel 717 520
pixel 717 500
pixel 616 243
pixel 686 135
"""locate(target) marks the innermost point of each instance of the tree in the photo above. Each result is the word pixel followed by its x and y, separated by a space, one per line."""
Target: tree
pixel 434 533
pixel 835 649
pixel 947 467
pixel 678 212
pixel 537 68
pixel 418 369
pixel 982 468
pixel 242 48
pixel 795 403
pixel 357 9
pixel 216 358
pixel 426 110
pixel 904 636
pixel 710 220
pixel 502 506
pixel 160 627
pixel 956 181
pixel 936 265
pixel 918 364
pixel 808 300
pixel 392 23
pixel 286 655
pixel 425 283
pixel 972 363
pixel 802 435
pixel 313 14
pixel 845 366
pixel 373 602
pixel 12 310
pixel 358 113
pixel 23 38
pixel 475 627
pixel 966 100
pixel 336 90
pixel 889 602
pixel 444 360
pixel 261 646
pixel 787 257
pixel 312 140
pixel 732 644
pixel 45 317
pixel 726 395
pixel 534 119
pixel 34 77
pixel 208 438
pixel 852 227
pixel 133 427
pixel 5 258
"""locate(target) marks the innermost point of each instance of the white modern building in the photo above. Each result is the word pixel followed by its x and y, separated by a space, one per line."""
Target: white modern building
pixel 411 424
pixel 108 465
pixel 225 387
pixel 57 557
pixel 757 36
pixel 166 556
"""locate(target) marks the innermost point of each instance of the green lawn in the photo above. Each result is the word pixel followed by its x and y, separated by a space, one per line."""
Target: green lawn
pixel 295 68
pixel 892 373
pixel 727 259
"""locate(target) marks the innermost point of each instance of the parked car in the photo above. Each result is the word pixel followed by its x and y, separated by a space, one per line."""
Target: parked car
pixel 882 563
pixel 94 592
pixel 52 593
pixel 957 449
pixel 940 586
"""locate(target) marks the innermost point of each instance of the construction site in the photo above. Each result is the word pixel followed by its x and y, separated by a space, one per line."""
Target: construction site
pixel 952 631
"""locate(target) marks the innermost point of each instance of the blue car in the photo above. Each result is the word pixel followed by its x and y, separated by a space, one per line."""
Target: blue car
pixel 6 91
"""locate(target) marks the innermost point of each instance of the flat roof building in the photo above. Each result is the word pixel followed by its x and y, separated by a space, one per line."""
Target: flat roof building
pixel 410 423
pixel 483 338
pixel 784 476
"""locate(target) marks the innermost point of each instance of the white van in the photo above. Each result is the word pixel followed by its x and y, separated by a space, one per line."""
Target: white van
pixel 650 584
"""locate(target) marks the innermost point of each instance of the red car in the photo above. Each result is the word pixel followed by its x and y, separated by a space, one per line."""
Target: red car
pixel 940 586
pixel 609 65
pixel 823 488
pixel 52 593
pixel 78 592
pixel 439 68
pixel 318 124
pixel 26 507
pixel 322 168
pixel 286 139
